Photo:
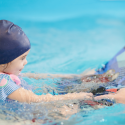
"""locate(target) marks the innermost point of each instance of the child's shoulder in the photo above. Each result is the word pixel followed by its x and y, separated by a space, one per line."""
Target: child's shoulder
pixel 4 78
pixel 8 84
pixel 9 76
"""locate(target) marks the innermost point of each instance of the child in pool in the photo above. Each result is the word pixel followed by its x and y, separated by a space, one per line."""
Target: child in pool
pixel 14 47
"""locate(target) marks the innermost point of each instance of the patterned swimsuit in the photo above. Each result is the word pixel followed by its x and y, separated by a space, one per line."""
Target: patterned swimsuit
pixel 8 84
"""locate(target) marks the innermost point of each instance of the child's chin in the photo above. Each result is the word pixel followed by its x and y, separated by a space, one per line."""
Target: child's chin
pixel 17 73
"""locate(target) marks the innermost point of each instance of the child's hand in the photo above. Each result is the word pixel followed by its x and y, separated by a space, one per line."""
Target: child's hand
pixel 81 95
pixel 119 96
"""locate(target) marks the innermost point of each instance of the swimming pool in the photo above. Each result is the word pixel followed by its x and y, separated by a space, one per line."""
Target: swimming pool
pixel 56 49
pixel 72 45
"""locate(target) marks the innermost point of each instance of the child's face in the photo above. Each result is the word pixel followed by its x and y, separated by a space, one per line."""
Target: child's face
pixel 16 66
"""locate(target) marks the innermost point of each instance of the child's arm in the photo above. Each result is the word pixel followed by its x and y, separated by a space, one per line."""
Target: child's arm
pixel 43 75
pixel 119 96
pixel 23 95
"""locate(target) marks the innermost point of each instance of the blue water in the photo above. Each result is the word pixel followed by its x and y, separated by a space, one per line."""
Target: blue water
pixel 70 37
pixel 73 45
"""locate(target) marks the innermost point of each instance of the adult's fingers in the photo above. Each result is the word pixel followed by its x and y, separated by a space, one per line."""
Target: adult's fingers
pixel 108 96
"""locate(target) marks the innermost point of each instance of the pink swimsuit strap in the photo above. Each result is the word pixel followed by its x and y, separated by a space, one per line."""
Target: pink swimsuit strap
pixel 14 78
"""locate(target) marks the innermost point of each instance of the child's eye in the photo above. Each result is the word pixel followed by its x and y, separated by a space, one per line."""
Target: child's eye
pixel 23 58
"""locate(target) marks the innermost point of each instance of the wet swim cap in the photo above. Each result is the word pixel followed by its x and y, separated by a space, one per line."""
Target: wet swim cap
pixel 13 41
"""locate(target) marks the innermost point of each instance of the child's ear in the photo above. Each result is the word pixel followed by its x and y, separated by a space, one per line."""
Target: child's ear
pixel 3 66
pixel 8 63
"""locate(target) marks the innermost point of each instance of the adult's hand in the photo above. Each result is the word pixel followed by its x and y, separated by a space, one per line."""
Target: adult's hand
pixel 119 96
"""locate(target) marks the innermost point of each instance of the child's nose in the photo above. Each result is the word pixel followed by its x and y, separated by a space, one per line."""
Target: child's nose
pixel 25 62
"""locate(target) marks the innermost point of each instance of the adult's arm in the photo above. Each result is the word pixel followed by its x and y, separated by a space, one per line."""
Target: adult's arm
pixel 46 75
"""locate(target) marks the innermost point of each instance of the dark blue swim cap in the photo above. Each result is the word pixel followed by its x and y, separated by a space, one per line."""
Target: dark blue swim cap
pixel 13 41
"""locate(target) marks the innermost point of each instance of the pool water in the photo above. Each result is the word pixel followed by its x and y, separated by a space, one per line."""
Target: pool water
pixel 72 46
